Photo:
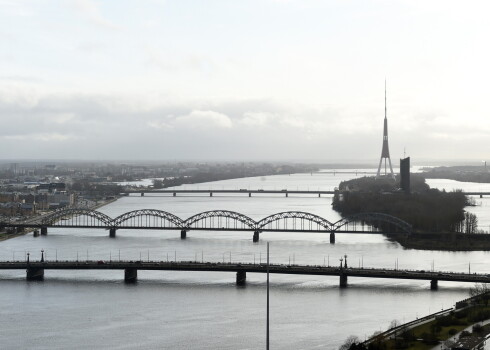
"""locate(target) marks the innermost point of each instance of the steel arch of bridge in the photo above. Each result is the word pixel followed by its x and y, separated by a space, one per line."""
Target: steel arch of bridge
pixel 372 218
pixel 224 219
pixel 89 217
pixel 217 220
pixel 295 215
pixel 137 218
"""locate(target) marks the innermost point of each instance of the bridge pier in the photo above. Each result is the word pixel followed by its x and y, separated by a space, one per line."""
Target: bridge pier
pixel 256 236
pixel 241 278
pixel 130 275
pixel 332 237
pixel 112 232
pixel 44 231
pixel 174 194
pixel 250 194
pixel 36 233
pixel 319 195
pixel 433 285
pixel 286 195
pixel 343 280
pixel 481 196
pixel 210 194
pixel 35 274
pixel 183 234
pixel 142 194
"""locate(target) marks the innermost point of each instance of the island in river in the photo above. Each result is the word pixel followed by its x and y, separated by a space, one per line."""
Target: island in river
pixel 438 218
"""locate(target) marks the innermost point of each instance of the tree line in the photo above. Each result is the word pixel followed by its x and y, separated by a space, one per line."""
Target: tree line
pixel 426 209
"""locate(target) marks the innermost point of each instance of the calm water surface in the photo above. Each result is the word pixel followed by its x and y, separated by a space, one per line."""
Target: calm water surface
pixel 197 310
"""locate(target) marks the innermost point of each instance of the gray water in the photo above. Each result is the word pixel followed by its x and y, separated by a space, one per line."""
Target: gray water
pixel 206 310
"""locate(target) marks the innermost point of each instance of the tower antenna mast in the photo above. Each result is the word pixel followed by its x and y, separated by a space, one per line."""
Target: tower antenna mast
pixel 385 152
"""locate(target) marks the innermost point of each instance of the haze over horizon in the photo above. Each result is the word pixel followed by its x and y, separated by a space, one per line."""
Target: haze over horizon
pixel 254 80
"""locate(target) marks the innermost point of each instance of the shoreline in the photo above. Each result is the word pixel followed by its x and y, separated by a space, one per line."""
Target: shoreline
pixel 450 242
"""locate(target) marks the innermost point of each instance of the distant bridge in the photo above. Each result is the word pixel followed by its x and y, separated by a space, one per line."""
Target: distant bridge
pixel 218 220
pixel 35 270
pixel 249 192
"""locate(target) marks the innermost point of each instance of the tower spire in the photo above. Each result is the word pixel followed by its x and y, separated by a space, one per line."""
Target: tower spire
pixel 385 98
pixel 385 152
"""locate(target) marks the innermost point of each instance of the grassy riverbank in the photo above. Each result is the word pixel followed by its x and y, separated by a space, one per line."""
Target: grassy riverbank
pixel 442 328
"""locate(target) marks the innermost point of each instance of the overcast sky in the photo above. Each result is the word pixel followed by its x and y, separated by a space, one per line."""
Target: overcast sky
pixel 244 80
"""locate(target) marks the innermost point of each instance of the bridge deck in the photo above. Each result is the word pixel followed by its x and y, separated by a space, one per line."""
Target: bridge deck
pixel 246 267
pixel 259 191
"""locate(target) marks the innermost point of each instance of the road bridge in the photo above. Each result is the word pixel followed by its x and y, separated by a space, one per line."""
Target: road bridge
pixel 218 220
pixel 249 192
pixel 35 270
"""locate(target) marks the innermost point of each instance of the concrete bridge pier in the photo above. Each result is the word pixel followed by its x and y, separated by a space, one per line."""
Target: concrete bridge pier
pixel 44 231
pixel 343 280
pixel 241 278
pixel 130 275
pixel 433 285
pixel 174 194
pixel 332 237
pixel 112 232
pixel 286 194
pixel 142 194
pixel 210 194
pixel 183 234
pixel 319 195
pixel 250 194
pixel 256 236
pixel 35 274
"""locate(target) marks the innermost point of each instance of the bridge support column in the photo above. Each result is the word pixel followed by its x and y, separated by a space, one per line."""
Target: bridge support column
pixel 183 234
pixel 44 231
pixel 286 194
pixel 481 196
pixel 35 274
pixel 112 232
pixel 332 237
pixel 142 194
pixel 343 280
pixel 175 194
pixel 36 233
pixel 433 285
pixel 319 195
pixel 256 236
pixel 250 194
pixel 210 194
pixel 241 278
pixel 130 275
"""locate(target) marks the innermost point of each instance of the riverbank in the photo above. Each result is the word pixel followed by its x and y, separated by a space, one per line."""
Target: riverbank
pixel 444 241
pixel 465 324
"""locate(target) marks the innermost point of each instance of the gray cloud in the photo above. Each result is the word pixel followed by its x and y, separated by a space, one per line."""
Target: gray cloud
pixel 81 126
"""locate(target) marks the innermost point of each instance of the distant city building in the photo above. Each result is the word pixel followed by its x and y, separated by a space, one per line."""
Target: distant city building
pixel 405 174
pixel 385 152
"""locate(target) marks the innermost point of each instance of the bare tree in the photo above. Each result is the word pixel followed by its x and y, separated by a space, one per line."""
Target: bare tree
pixel 349 342
pixel 481 292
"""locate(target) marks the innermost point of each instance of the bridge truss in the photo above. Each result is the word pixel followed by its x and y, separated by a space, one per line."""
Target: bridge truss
pixel 224 220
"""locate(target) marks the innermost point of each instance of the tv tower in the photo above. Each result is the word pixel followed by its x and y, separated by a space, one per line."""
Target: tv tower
pixel 385 152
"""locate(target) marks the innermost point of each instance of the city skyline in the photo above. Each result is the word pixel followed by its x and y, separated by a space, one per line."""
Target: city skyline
pixel 238 81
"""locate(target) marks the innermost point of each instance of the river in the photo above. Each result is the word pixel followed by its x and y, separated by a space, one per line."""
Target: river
pixel 196 310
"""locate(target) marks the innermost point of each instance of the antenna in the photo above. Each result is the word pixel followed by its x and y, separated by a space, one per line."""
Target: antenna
pixel 385 98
